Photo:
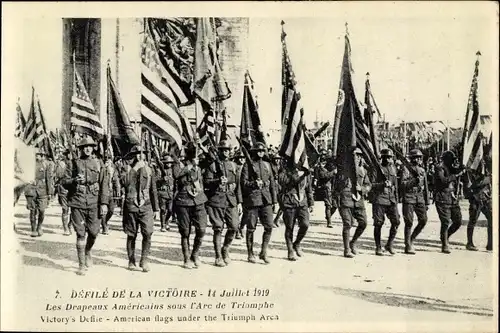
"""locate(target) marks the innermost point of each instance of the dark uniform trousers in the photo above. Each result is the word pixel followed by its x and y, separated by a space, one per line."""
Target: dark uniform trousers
pixel 447 205
pixel 296 197
pixel 62 195
pixel 258 201
pixel 189 207
pixel 385 203
pixel 415 202
pixel 37 195
pixel 480 202
pixel 84 198
pixel 141 199
pixel 325 181
pixel 165 195
pixel 351 209
pixel 111 174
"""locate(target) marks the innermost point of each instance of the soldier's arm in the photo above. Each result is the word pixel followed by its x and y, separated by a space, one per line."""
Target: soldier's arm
pixel 245 181
pixel 239 195
pixel 445 179
pixel 309 192
pixel 272 188
pixel 153 193
pixel 367 186
pixel 426 192
pixel 485 181
pixel 406 180
pixel 116 182
pixel 104 190
pixel 210 178
pixel 68 178
pixel 179 171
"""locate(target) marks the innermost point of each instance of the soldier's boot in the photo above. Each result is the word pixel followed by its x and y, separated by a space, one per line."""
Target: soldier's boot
pixel 33 212
pixel 228 239
pixel 445 248
pixel 408 242
pixel 289 244
pixel 249 241
pixel 266 238
pixel 88 250
pixel 300 236
pixel 218 248
pixel 392 234
pixel 453 228
pixel 346 235
pixel 80 250
pixel 470 239
pixel 239 234
pixel 65 223
pixel 420 226
pixel 357 233
pixel 377 230
pixel 41 217
pixel 185 252
pixel 131 252
pixel 162 220
pixel 146 248
pixel 328 220
pixel 198 239
pixel 489 245
pixel 104 225
pixel 167 218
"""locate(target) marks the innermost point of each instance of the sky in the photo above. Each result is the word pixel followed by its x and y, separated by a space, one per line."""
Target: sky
pixel 421 65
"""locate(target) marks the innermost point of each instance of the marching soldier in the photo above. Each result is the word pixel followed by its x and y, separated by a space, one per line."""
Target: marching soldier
pixel 415 193
pixel 296 201
pixel 189 205
pixel 239 159
pixel 165 185
pixel 224 195
pixel 352 203
pixel 259 199
pixel 325 182
pixel 385 202
pixel 141 204
pixel 479 202
pixel 114 186
pixel 38 193
pixel 62 192
pixel 447 205
pixel 276 167
pixel 85 180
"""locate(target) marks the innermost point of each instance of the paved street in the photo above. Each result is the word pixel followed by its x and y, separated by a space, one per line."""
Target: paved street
pixel 453 290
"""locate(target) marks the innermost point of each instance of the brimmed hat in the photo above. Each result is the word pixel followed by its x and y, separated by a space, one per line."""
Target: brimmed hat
pixel 86 142
pixel 415 153
pixel 386 153
pixel 259 146
pixel 166 158
pixel 135 150
pixel 224 145
pixel 358 151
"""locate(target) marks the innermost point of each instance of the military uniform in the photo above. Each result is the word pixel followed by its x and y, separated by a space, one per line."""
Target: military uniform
pixel 385 202
pixel 447 204
pixel 141 200
pixel 352 205
pixel 224 194
pixel 38 193
pixel 85 180
pixel 415 198
pixel 114 186
pixel 259 196
pixel 479 195
pixel 238 157
pixel 295 197
pixel 62 194
pixel 165 185
pixel 189 207
pixel 326 179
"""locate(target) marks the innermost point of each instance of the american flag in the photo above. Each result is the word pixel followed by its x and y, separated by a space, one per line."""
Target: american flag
pixel 34 134
pixel 84 118
pixel 472 138
pixel 159 95
pixel 250 127
pixel 20 122
pixel 206 131
pixel 293 137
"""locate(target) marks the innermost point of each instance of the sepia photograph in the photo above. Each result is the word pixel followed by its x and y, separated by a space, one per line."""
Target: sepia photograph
pixel 254 166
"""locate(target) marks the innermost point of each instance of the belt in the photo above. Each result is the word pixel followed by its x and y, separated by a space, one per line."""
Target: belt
pixel 93 186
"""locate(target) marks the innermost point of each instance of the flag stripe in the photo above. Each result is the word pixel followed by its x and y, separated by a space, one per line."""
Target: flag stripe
pixel 90 128
pixel 163 108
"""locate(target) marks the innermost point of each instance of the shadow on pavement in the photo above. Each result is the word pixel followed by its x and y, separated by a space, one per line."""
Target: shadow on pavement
pixel 409 301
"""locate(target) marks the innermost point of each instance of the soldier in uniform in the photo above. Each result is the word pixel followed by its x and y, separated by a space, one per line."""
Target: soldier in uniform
pixel 415 197
pixel 224 195
pixel 39 193
pixel 141 205
pixel 276 165
pixel 114 186
pixel 62 192
pixel 85 182
pixel 447 205
pixel 479 195
pixel 352 204
pixel 239 159
pixel 259 199
pixel 165 185
pixel 385 202
pixel 296 201
pixel 189 205
pixel 325 182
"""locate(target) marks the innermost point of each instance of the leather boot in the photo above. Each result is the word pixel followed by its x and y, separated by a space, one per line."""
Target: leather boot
pixel 131 252
pixel 420 226
pixel 444 239
pixel 228 239
pixel 300 236
pixel 266 238
pixel 346 234
pixel 489 245
pixel 198 239
pixel 41 217
pixel 88 247
pixel 392 234
pixel 249 241
pixel 377 230
pixel 470 239
pixel 453 228
pixel 162 220
pixel 357 233
pixel 217 247
pixel 34 233
pixel 185 252
pixel 289 244
pixel 408 243
pixel 104 225
pixel 65 222
pixel 80 250
pixel 167 218
pixel 328 217
pixel 146 248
